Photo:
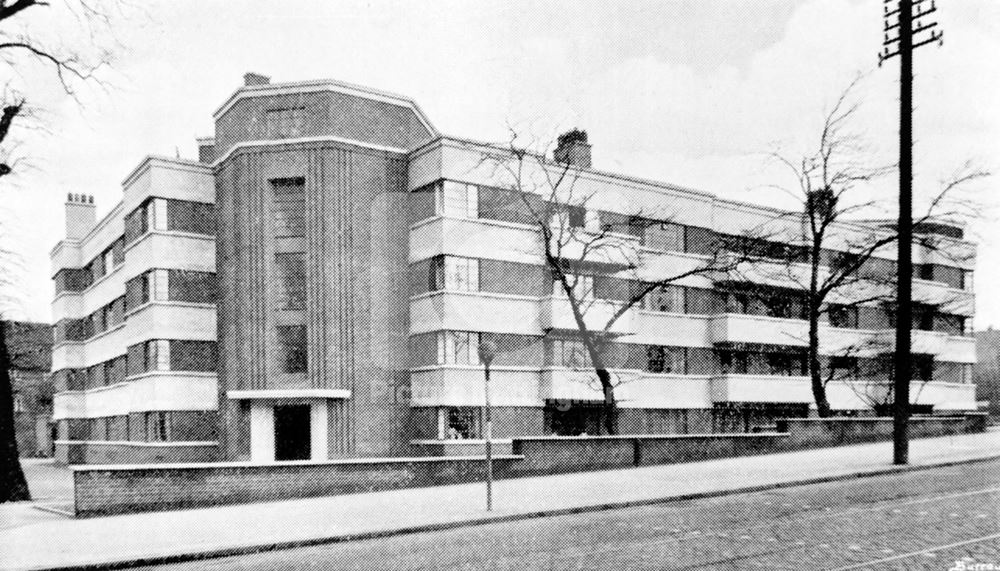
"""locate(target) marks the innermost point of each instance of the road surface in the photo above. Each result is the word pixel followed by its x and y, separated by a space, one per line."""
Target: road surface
pixel 939 519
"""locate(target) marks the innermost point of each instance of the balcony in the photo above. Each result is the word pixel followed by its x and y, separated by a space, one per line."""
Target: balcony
pixel 458 385
pixel 671 329
pixel 636 389
pixel 958 349
pixel 475 311
pixel 174 250
pixel 760 388
pixel 944 396
pixel 158 390
pixel 739 328
pixel 556 313
pixel 474 238
pixel 949 299
pixel 921 342
pixel 172 320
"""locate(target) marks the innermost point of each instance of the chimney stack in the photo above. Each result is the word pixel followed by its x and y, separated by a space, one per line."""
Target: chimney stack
pixel 206 149
pixel 81 215
pixel 251 78
pixel 573 149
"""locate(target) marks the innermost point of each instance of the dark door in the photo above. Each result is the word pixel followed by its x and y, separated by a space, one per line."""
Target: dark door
pixel 291 432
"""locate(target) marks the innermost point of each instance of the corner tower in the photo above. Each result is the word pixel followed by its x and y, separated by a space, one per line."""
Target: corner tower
pixel 312 256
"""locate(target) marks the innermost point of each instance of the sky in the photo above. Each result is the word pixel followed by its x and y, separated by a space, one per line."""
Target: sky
pixel 696 93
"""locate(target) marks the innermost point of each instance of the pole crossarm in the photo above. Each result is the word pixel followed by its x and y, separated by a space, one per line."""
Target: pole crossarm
pixel 890 43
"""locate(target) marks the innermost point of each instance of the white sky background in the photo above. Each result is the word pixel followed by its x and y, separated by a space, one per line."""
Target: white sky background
pixel 690 92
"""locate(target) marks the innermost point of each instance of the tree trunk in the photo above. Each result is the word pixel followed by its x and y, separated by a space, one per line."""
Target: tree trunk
pixel 815 371
pixel 609 410
pixel 13 486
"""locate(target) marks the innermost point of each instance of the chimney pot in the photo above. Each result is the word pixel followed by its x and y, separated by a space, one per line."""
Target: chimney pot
pixel 573 149
pixel 81 215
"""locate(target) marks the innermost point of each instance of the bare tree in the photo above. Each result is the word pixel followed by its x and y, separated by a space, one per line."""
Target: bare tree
pixel 22 48
pixel 595 259
pixel 829 182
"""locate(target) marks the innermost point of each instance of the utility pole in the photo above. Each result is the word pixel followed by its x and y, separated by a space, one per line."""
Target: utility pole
pixel 487 351
pixel 902 44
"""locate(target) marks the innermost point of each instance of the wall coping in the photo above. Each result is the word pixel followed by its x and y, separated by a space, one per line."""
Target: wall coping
pixel 459 441
pixel 718 436
pixel 288 464
pixel 921 418
pixel 177 444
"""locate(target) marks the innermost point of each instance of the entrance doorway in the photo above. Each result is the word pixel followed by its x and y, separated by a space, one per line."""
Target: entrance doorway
pixel 292 432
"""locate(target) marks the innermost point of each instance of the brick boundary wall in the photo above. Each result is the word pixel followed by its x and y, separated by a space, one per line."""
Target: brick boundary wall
pixel 106 490
pixel 114 489
pixel 556 455
pixel 818 432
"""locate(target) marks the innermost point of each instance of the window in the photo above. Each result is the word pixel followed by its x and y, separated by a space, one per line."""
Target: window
pixel 665 359
pixel 461 422
pixel 72 279
pixel 509 205
pixel 458 348
pixel 191 286
pixel 109 260
pixel 18 403
pixel 923 271
pixel 156 355
pixel 785 364
pixel 843 316
pixel 570 215
pixel 193 356
pixel 921 367
pixel 461 274
pixel 285 123
pixel 777 363
pixel 157 426
pixel 289 206
pixel 699 301
pixel 137 290
pixel 664 236
pixel 583 290
pixel 950 324
pixel 511 278
pixel 699 241
pixel 459 200
pixel 570 353
pixel 666 298
pixel 292 348
pixel 290 280
pixel 425 202
pixel 193 217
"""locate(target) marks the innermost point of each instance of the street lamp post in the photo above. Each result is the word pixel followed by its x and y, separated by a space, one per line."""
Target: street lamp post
pixel 487 350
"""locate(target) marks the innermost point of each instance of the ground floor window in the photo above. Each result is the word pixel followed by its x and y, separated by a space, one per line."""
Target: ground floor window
pixel 460 422
pixel 754 416
pixel 572 418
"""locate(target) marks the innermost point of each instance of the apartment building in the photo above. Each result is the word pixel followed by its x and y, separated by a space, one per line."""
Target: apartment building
pixel 134 354
pixel 363 257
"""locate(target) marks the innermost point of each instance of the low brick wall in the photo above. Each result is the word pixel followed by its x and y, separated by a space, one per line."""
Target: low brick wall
pixel 111 489
pixel 822 432
pixel 457 448
pixel 84 452
pixel 559 454
pixel 105 490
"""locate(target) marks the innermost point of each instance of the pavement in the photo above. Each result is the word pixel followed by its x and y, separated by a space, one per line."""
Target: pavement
pixel 52 541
